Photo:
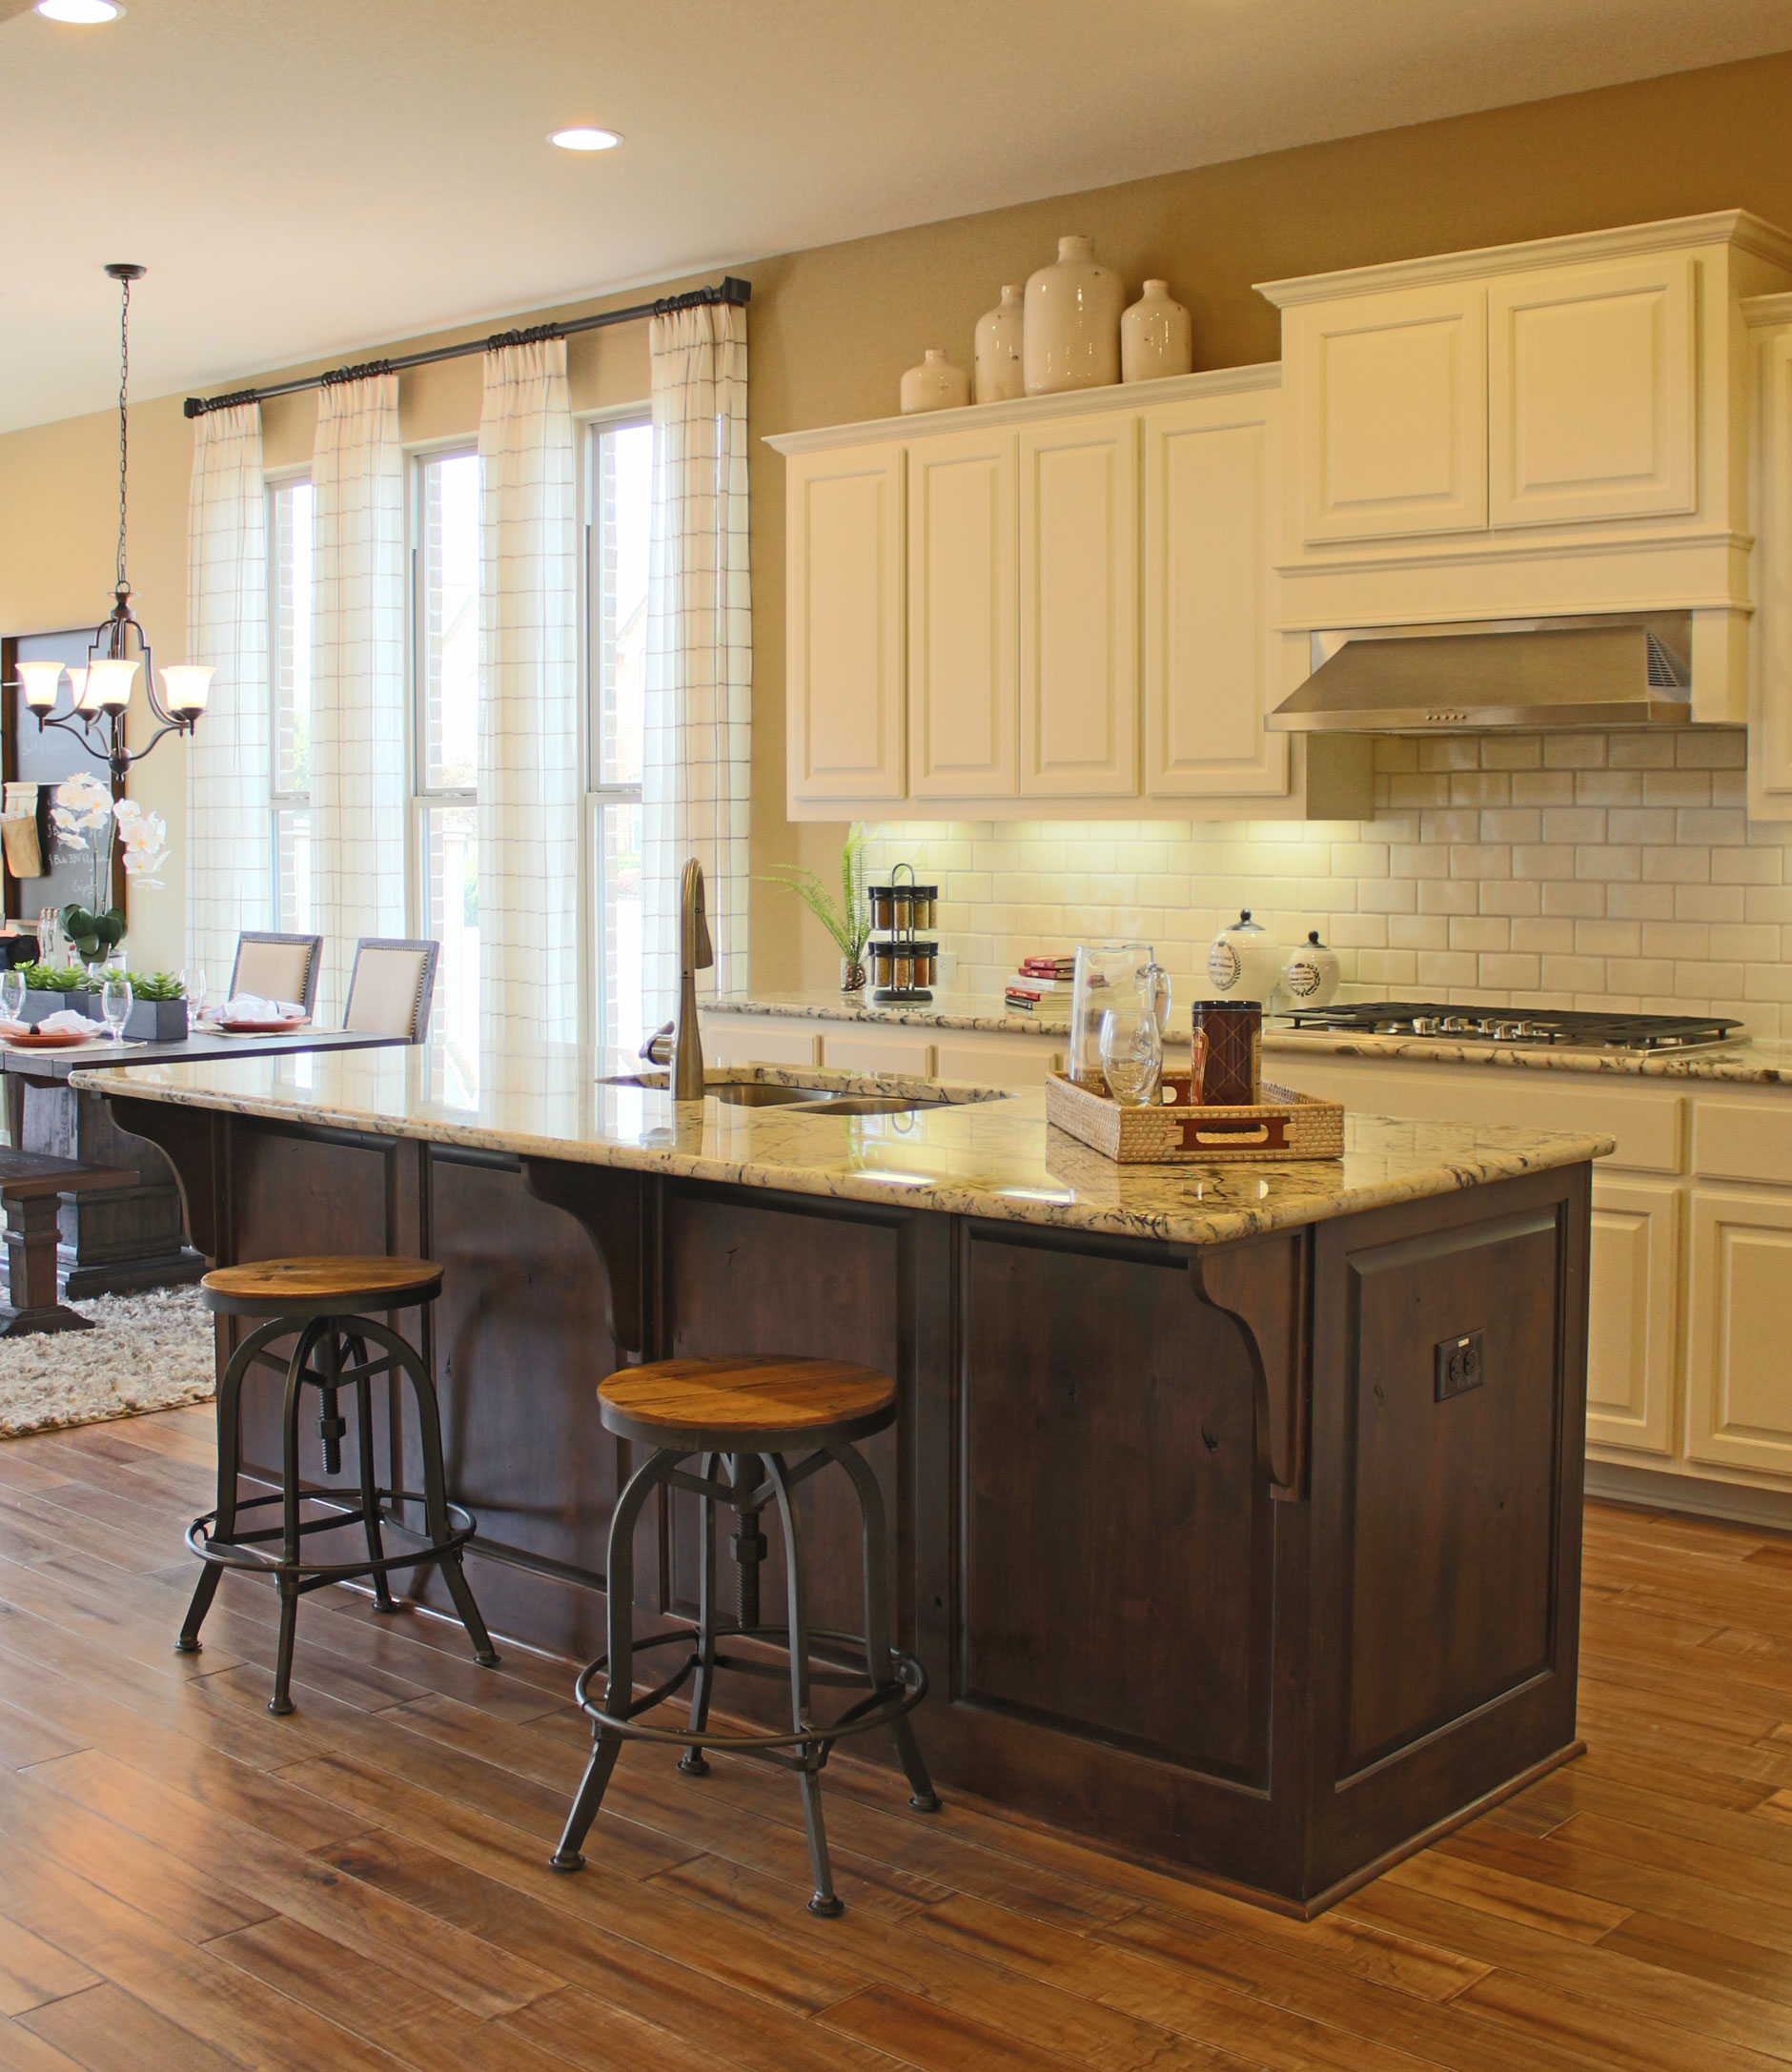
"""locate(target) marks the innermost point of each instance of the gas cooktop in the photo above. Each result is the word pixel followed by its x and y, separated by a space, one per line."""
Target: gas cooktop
pixel 1516 1024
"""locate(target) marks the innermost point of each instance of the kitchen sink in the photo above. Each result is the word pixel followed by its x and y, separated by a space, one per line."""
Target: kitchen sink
pixel 816 1099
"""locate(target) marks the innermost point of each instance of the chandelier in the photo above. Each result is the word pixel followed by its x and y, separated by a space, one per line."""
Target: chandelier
pixel 101 687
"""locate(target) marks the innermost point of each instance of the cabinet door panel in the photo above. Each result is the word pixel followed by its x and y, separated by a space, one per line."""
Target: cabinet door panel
pixel 847 1050
pixel 761 1040
pixel 1632 1343
pixel 1591 403
pixel 1739 1378
pixel 1080 608
pixel 1394 414
pixel 843 587
pixel 1770 715
pixel 964 729
pixel 1207 632
pixel 997 1061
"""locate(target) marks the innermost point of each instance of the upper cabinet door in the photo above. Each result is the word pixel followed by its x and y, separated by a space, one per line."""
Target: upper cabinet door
pixel 843 622
pixel 1079 665
pixel 1770 702
pixel 1208 473
pixel 963 725
pixel 1592 376
pixel 1393 412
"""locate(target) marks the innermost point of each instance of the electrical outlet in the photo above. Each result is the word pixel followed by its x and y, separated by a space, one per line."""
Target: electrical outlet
pixel 1457 1365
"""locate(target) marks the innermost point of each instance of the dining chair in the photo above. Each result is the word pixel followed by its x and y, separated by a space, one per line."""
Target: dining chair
pixel 277 968
pixel 390 988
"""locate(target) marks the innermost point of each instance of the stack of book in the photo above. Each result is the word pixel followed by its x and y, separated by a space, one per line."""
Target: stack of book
pixel 1042 985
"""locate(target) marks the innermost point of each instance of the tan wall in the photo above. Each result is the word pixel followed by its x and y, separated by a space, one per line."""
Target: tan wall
pixel 832 329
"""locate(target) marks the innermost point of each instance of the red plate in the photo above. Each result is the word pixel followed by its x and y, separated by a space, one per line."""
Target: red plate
pixel 51 1039
pixel 283 1026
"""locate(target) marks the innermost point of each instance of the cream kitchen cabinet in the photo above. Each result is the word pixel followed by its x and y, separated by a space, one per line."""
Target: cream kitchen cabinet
pixel 1633 1323
pixel 1740 1375
pixel 986 1057
pixel 1771 683
pixel 844 626
pixel 1542 430
pixel 1078 621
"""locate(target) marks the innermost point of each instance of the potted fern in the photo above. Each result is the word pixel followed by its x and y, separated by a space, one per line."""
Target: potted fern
pixel 848 918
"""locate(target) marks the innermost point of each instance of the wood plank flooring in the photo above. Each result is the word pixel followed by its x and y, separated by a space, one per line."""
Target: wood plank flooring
pixel 187 1882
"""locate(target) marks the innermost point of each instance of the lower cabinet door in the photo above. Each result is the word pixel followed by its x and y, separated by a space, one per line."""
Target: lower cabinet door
pixel 1740 1354
pixel 765 1039
pixel 1633 1335
pixel 997 1061
pixel 848 1050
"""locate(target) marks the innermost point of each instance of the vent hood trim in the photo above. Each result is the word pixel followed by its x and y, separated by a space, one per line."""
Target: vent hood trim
pixel 1629 669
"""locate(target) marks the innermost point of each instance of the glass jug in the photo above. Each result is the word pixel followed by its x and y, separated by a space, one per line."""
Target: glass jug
pixel 1110 975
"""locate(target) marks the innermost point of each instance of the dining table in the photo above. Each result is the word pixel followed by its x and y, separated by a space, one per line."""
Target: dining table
pixel 117 1240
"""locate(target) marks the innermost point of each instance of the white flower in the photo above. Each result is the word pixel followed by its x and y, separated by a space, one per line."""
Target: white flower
pixel 145 836
pixel 83 803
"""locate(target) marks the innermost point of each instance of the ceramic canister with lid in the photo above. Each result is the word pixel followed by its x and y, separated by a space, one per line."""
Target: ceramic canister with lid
pixel 1311 974
pixel 1243 961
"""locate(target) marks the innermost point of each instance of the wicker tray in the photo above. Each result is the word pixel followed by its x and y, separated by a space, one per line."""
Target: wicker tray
pixel 1283 1125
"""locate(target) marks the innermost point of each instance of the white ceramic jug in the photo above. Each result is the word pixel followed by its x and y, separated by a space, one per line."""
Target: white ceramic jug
pixel 1000 375
pixel 1072 327
pixel 1156 336
pixel 936 384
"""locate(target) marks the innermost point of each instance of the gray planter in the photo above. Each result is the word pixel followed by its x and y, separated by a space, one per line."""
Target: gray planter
pixel 153 1021
pixel 37 1005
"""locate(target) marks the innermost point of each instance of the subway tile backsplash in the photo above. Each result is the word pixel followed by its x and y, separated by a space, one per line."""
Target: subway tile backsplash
pixel 1561 870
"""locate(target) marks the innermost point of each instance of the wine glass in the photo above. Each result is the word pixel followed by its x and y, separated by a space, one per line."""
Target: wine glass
pixel 11 994
pixel 114 1004
pixel 1132 1053
pixel 193 985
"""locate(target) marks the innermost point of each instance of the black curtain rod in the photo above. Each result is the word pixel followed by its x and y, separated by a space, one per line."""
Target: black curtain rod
pixel 732 291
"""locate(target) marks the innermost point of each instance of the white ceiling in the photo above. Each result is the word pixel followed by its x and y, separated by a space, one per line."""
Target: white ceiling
pixel 302 180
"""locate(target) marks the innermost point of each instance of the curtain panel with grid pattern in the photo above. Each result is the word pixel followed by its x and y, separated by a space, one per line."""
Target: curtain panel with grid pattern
pixel 697 741
pixel 528 703
pixel 228 863
pixel 358 779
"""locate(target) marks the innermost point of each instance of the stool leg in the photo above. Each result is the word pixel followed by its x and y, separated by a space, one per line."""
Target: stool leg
pixel 922 1798
pixel 435 1488
pixel 281 1703
pixel 330 1424
pixel 824 1901
pixel 748 1550
pixel 230 1390
pixel 692 1762
pixel 370 1486
pixel 619 1583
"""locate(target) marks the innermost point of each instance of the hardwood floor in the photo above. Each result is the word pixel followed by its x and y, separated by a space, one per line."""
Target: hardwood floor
pixel 187 1882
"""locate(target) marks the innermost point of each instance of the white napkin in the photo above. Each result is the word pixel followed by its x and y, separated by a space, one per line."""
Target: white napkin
pixel 251 1007
pixel 64 1021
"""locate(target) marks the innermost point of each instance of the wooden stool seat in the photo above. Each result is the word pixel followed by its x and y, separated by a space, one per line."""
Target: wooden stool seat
pixel 320 1287
pixel 745 1405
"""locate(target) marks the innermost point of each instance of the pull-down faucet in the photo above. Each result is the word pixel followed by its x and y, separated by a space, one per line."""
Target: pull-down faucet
pixel 696 953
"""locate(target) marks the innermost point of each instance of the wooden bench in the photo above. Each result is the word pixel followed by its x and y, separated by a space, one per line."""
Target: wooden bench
pixel 32 1186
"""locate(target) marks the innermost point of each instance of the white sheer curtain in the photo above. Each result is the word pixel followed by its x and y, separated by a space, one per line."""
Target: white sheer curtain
pixel 357 769
pixel 228 833
pixel 529 784
pixel 696 752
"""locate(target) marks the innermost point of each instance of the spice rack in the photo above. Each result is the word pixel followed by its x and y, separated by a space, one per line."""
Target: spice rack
pixel 903 964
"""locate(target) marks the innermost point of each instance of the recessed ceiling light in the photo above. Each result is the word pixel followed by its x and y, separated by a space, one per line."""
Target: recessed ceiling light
pixel 581 137
pixel 85 11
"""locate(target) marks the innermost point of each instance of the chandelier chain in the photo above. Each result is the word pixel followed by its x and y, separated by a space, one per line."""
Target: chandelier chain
pixel 124 415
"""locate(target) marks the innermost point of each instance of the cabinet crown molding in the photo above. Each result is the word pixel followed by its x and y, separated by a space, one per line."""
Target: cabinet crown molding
pixel 1034 408
pixel 1764 311
pixel 1735 226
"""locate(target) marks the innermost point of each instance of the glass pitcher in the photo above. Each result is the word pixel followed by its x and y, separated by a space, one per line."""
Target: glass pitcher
pixel 1110 975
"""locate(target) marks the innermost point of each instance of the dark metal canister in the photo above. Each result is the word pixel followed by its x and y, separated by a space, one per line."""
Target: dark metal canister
pixel 1227 1052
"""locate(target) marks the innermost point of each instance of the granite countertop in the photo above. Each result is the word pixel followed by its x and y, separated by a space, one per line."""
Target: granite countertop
pixel 1760 1061
pixel 1757 1061
pixel 975 1155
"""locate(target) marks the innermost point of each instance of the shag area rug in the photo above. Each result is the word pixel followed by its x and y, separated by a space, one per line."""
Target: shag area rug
pixel 145 1352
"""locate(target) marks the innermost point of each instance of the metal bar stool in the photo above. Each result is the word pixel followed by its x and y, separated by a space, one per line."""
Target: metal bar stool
pixel 747 1413
pixel 319 1302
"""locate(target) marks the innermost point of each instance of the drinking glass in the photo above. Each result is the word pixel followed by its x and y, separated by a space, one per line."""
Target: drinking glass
pixel 193 985
pixel 1132 1053
pixel 115 1004
pixel 11 994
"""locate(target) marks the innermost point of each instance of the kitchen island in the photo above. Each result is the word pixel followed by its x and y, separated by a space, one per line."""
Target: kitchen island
pixel 1235 1510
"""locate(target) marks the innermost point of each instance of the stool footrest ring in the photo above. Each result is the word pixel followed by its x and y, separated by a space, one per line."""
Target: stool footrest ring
pixel 881 1704
pixel 244 1553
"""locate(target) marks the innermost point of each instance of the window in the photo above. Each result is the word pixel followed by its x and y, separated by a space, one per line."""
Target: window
pixel 289 679
pixel 445 657
pixel 620 475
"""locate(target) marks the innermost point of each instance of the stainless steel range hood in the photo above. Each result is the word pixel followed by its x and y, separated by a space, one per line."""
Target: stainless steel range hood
pixel 1533 673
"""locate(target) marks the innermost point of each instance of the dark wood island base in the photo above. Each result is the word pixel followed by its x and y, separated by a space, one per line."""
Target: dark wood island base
pixel 1260 1558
